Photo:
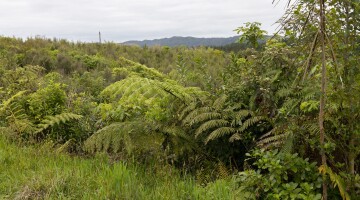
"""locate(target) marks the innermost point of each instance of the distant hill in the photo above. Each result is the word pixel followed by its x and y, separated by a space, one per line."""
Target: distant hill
pixel 186 41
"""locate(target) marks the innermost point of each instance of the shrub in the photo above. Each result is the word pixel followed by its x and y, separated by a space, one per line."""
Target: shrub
pixel 49 100
pixel 279 176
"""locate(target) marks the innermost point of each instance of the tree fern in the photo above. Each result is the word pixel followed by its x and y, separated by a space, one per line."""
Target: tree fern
pixel 147 95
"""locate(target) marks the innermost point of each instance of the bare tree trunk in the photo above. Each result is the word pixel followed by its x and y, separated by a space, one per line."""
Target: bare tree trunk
pixel 323 93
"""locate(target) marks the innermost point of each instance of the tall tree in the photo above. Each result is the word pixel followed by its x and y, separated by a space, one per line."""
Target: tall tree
pixel 323 91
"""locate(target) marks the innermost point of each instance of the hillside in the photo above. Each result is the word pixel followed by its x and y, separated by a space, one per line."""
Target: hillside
pixel 186 41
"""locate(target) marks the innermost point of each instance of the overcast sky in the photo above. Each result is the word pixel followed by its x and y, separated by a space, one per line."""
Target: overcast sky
pixel 122 20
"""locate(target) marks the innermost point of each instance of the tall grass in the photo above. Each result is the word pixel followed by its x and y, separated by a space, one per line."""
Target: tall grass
pixel 38 173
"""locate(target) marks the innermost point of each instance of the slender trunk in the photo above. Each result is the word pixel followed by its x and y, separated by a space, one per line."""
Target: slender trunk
pixel 352 155
pixel 323 94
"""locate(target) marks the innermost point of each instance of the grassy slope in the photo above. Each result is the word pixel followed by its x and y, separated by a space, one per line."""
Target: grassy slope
pixel 37 173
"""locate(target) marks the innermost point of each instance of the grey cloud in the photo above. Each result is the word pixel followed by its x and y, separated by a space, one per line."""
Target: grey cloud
pixel 121 20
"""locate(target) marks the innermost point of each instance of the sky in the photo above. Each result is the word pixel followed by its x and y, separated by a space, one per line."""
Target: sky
pixel 122 20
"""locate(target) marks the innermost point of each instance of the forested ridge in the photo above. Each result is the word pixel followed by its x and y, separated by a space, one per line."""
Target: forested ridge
pixel 186 41
pixel 273 120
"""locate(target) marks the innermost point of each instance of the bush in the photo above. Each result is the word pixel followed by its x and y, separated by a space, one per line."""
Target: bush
pixel 49 100
pixel 280 176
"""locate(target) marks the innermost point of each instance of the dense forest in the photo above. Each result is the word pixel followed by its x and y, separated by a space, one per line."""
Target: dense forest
pixel 265 120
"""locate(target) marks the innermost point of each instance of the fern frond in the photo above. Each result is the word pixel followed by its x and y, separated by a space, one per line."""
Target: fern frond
pixel 66 146
pixel 17 119
pixel 220 102
pixel 174 131
pixel 234 137
pixel 50 121
pixel 274 138
pixel 195 112
pixel 309 95
pixel 211 124
pixel 204 117
pixel 176 91
pixel 284 92
pixel 288 144
pixel 277 137
pixel 251 121
pixel 220 132
pixel 223 172
pixel 126 62
pixel 290 105
pixel 337 181
pixel 136 90
pixel 185 111
pixel 313 128
pixel 7 103
pixel 197 93
pixel 138 69
pixel 242 114
pixel 123 136
pixel 146 72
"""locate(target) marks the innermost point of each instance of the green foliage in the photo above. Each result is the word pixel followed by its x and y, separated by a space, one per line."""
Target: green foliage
pixel 279 176
pixel 181 106
pixel 138 96
pixel 21 78
pixel 138 113
pixel 49 100
pixel 251 33
pixel 309 106
pixel 89 83
pixel 218 119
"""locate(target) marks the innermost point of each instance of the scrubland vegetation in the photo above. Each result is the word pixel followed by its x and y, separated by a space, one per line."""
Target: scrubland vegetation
pixel 274 120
